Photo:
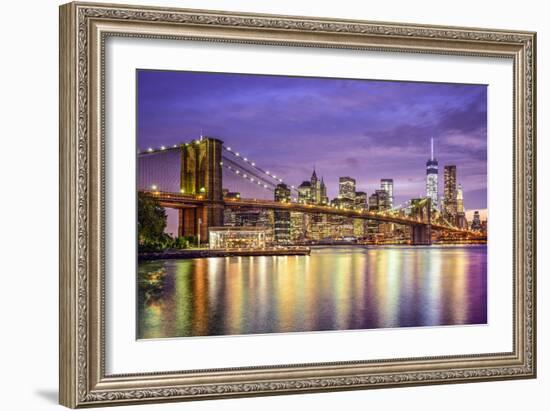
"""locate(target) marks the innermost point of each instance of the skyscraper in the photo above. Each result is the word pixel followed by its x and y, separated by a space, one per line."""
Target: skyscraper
pixel 432 170
pixel 282 193
pixel 304 192
pixel 460 214
pixel 313 191
pixel 297 226
pixel 323 188
pixel 361 200
pixel 459 199
pixel 318 189
pixel 346 189
pixel 282 217
pixel 476 222
pixel 449 194
pixel 315 188
pixel 386 184
pixel 379 201
pixel 361 203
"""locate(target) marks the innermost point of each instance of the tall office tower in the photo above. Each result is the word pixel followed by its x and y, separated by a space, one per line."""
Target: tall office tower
pixel 361 203
pixel 346 189
pixel 386 184
pixel 315 188
pixel 459 199
pixel 373 202
pixel 460 214
pixel 431 177
pixel 379 201
pixel 323 188
pixel 449 191
pixel 476 222
pixel 297 226
pixel 282 217
pixel 282 193
pixel 304 192
pixel 361 200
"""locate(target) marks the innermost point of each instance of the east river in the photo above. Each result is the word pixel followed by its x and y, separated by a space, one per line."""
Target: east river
pixel 335 288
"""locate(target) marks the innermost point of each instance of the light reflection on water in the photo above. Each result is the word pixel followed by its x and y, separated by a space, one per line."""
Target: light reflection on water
pixel 338 288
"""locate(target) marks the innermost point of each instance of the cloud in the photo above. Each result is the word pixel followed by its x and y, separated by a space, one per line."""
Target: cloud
pixel 366 129
pixel 458 139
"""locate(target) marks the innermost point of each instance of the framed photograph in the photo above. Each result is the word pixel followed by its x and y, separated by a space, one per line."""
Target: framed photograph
pixel 259 204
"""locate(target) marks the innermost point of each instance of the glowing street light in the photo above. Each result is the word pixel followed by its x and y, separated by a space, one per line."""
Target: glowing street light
pixel 199 231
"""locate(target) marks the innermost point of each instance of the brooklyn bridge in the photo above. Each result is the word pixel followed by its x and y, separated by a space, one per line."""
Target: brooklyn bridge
pixel 188 177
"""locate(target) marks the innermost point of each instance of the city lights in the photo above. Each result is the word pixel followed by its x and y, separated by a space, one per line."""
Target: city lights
pixel 350 204
pixel 309 214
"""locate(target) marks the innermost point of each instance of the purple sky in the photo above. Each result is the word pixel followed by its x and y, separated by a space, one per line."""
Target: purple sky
pixel 360 128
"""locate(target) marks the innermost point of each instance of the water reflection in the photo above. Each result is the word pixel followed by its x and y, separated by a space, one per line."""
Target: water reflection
pixel 332 289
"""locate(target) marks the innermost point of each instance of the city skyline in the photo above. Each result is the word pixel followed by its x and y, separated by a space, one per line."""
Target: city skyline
pixel 273 204
pixel 457 114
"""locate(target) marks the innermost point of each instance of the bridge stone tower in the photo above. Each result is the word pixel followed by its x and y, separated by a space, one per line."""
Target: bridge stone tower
pixel 421 233
pixel 201 175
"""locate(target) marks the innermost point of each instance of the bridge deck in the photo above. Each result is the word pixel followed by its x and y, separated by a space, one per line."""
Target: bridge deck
pixel 177 200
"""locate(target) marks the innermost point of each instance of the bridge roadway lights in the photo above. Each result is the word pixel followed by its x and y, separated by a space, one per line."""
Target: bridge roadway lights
pixel 421 234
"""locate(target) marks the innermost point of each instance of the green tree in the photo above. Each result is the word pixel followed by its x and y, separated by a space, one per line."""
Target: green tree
pixel 151 219
pixel 181 242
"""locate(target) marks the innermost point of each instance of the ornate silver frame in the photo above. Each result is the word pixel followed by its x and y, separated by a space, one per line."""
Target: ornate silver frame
pixel 83 30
